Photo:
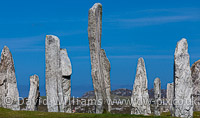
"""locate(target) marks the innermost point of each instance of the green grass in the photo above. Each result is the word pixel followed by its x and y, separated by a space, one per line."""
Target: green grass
pixel 6 113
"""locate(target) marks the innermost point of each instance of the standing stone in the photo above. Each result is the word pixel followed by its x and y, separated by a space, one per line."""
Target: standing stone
pixel 100 71
pixel 170 97
pixel 66 79
pixel 106 72
pixel 157 97
pixel 182 81
pixel 34 94
pixel 195 70
pixel 53 73
pixel 9 95
pixel 140 96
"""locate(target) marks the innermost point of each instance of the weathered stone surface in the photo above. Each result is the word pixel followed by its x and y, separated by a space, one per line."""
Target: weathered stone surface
pixel 157 97
pixel 53 73
pixel 170 97
pixel 94 35
pixel 182 81
pixel 140 96
pixel 66 66
pixel 34 94
pixel 195 70
pixel 66 79
pixel 9 95
pixel 106 72
pixel 100 72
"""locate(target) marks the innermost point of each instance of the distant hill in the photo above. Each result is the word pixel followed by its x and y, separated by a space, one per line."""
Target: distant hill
pixel 163 93
pixel 121 93
pixel 125 93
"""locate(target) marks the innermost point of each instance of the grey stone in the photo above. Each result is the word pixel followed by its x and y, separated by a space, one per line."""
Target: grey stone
pixel 66 79
pixel 100 71
pixel 140 96
pixel 53 73
pixel 195 70
pixel 106 72
pixel 183 106
pixel 34 94
pixel 9 95
pixel 157 97
pixel 170 97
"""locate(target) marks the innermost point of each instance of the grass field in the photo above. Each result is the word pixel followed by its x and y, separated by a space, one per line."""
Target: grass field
pixel 6 113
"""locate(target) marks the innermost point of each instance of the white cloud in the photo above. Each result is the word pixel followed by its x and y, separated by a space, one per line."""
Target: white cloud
pixel 153 17
pixel 144 56
pixel 146 21
pixel 24 44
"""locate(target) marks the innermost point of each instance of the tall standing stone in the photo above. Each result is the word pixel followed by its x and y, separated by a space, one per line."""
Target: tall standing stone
pixel 34 94
pixel 101 79
pixel 170 97
pixel 195 70
pixel 106 72
pixel 183 106
pixel 53 73
pixel 157 97
pixel 66 79
pixel 9 95
pixel 140 96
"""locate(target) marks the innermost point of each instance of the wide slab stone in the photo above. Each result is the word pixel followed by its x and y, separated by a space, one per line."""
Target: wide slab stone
pixel 183 106
pixel 53 74
pixel 140 96
pixel 9 95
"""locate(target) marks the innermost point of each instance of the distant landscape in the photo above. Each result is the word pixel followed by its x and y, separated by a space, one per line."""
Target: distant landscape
pixel 122 93
pixel 106 59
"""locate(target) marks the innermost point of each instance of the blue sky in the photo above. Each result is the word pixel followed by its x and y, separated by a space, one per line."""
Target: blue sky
pixel 131 29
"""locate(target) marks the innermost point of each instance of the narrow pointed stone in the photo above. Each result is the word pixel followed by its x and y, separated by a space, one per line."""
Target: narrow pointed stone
pixel 140 96
pixel 99 76
pixel 195 70
pixel 157 97
pixel 106 72
pixel 9 95
pixel 170 97
pixel 182 81
pixel 53 74
pixel 34 94
pixel 94 36
pixel 66 79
